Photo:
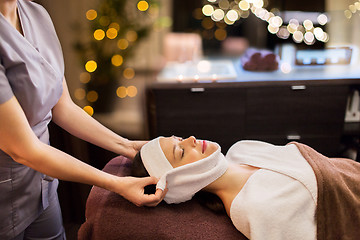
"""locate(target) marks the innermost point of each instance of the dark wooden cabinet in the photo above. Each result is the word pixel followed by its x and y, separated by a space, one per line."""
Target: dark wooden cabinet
pixel 228 112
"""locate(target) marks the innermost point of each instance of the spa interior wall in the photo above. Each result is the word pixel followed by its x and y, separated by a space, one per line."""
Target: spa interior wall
pixel 128 117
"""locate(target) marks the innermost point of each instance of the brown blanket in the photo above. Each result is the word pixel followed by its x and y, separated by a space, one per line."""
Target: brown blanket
pixel 338 209
pixel 109 216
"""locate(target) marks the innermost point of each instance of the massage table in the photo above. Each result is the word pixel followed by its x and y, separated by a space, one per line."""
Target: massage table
pixel 110 216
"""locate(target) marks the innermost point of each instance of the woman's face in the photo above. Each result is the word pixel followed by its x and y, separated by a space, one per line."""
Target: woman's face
pixel 180 151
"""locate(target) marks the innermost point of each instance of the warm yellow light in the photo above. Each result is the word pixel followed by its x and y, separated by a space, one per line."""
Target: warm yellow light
pixel 309 38
pixel 117 60
pixel 85 77
pixel 91 66
pixel 143 5
pixel 91 14
pixel 224 4
pixel 115 25
pixel 123 44
pixel 348 14
pixel 244 5
pixel 207 23
pixel 220 34
pixel 92 96
pixel 283 33
pixel 79 94
pixel 352 8
pixel 218 15
pixel 232 15
pixel 207 10
pixel 111 33
pixel 275 21
pixel 131 36
pixel 99 34
pixel 308 24
pixel 121 92
pixel 132 91
pixel 319 33
pixel 89 110
pixel 129 73
pixel 322 19
pixel 298 36
pixel 258 3
pixel 272 29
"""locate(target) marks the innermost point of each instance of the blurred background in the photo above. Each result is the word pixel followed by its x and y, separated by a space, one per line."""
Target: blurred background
pixel 114 49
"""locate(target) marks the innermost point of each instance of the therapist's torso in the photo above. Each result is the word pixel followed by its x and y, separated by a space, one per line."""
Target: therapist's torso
pixel 32 70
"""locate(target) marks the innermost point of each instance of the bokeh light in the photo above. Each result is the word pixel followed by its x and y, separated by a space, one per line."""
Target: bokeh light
pixel 121 92
pixel 129 73
pixel 132 91
pixel 322 19
pixel 131 36
pixel 229 11
pixel 80 93
pixel 99 34
pixel 117 60
pixel 220 34
pixel 91 14
pixel 90 66
pixel 122 44
pixel 208 10
pixel 143 6
pixel 89 110
pixel 85 77
pixel 92 96
pixel 115 25
pixel 218 15
pixel 111 33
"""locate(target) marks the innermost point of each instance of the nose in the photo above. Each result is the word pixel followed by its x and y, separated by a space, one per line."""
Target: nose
pixel 190 141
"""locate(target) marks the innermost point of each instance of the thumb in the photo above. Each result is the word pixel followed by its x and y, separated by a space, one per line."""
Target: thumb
pixel 150 180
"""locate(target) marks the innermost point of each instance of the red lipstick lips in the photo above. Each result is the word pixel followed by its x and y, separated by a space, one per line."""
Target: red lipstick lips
pixel 203 146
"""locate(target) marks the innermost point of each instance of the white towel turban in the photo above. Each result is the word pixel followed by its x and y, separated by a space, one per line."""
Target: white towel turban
pixel 184 181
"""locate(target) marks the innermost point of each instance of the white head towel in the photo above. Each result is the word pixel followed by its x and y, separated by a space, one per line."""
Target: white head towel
pixel 184 181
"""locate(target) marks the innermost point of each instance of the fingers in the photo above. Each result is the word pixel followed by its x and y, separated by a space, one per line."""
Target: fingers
pixel 154 199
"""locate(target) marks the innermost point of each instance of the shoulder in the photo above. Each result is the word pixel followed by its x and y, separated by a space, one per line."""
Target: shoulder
pixel 247 146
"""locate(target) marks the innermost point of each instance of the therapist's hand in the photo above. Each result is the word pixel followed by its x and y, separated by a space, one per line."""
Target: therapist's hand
pixel 133 190
pixel 131 148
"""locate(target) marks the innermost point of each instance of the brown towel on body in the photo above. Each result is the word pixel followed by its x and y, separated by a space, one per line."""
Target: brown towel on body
pixel 338 209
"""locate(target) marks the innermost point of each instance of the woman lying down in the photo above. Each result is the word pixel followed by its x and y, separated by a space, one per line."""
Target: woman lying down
pixel 268 191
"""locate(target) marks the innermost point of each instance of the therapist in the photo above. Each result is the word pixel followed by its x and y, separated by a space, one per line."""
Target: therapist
pixel 33 92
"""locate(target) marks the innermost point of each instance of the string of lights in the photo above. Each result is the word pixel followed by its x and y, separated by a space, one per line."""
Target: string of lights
pixel 230 11
pixel 352 9
pixel 116 26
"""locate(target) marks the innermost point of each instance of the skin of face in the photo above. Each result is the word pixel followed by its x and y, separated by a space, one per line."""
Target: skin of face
pixel 180 151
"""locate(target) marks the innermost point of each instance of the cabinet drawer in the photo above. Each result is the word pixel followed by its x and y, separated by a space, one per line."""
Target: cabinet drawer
pixel 216 113
pixel 303 110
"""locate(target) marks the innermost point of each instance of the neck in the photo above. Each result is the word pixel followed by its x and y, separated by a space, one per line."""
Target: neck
pixel 8 8
pixel 230 183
